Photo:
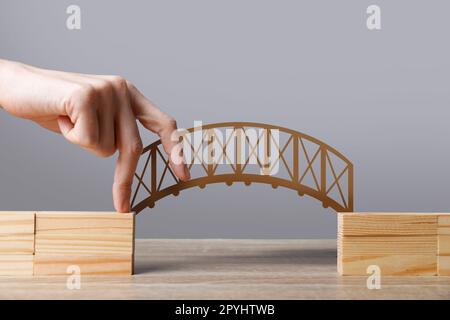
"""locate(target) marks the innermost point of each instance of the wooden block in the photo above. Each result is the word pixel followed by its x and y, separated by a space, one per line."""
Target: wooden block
pixel 16 265
pixel 444 224
pixel 387 224
pixel 84 233
pixel 17 232
pixel 90 265
pixel 444 265
pixel 399 243
pixel 398 265
pixel 444 245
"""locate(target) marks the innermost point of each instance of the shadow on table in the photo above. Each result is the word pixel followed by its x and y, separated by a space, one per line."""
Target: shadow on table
pixel 264 258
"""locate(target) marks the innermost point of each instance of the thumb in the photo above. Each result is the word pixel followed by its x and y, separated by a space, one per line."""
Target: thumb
pixel 66 127
pixel 84 132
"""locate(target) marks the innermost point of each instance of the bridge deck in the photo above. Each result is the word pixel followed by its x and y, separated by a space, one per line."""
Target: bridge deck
pixel 235 269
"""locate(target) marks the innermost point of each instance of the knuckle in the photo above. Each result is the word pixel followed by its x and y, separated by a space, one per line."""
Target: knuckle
pixel 168 128
pixel 86 93
pixel 82 97
pixel 135 147
pixel 118 82
pixel 104 85
pixel 123 185
pixel 168 125
pixel 172 123
pixel 130 85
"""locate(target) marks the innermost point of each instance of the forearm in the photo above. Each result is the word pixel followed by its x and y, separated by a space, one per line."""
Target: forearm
pixel 28 92
pixel 3 72
pixel 7 69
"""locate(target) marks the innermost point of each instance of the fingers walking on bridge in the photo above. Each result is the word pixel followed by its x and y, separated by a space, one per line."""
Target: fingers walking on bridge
pixel 97 113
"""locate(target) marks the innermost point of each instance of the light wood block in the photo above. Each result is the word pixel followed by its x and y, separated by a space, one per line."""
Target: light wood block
pixel 444 245
pixel 444 224
pixel 444 265
pixel 399 243
pixel 17 232
pixel 90 265
pixel 395 265
pixel 16 265
pixel 46 243
pixel 84 233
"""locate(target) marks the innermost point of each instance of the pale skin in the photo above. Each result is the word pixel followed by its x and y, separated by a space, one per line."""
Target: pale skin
pixel 95 112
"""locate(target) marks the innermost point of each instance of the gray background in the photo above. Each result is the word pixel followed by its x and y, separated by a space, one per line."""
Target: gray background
pixel 381 98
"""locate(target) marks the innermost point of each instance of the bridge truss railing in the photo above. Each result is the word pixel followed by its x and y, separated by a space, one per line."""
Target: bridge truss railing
pixel 249 153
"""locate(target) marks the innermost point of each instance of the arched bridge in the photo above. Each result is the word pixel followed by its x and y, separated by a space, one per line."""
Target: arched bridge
pixel 248 153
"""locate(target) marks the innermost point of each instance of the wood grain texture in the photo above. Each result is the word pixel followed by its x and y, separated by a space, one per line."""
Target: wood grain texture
pixel 16 265
pixel 387 224
pixel 17 232
pixel 389 245
pixel 444 224
pixel 444 265
pixel 444 245
pixel 84 233
pixel 90 265
pixel 444 248
pixel 393 265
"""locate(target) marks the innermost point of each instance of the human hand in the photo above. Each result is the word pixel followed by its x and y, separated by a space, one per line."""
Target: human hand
pixel 97 113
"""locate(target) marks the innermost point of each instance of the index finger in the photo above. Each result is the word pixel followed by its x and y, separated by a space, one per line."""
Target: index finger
pixel 130 148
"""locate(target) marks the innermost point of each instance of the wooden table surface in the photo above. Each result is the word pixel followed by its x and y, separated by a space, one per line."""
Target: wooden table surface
pixel 230 269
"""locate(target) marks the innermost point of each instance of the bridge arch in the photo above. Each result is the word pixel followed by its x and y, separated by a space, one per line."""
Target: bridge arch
pixel 299 155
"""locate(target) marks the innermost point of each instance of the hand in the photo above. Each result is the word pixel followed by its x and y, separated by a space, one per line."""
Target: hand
pixel 97 113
